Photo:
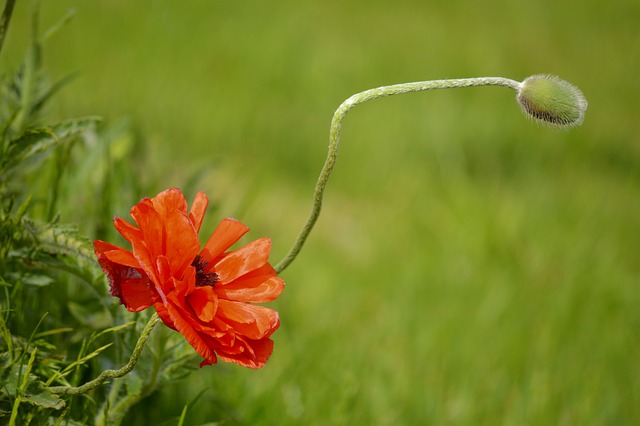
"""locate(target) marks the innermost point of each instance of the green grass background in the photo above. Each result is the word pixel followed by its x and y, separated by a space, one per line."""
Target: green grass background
pixel 469 267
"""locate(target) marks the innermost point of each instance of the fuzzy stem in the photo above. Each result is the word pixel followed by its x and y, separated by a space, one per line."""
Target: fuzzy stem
pixel 112 374
pixel 334 139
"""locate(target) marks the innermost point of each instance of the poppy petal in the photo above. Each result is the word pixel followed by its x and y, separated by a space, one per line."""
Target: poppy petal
pixel 258 286
pixel 252 321
pixel 204 303
pixel 225 235
pixel 151 228
pixel 182 244
pixel 192 336
pixel 261 350
pixel 122 257
pixel 167 229
pixel 136 294
pixel 244 260
pixel 138 246
pixel 163 313
pixel 128 284
pixel 169 201
pixel 127 230
pixel 198 207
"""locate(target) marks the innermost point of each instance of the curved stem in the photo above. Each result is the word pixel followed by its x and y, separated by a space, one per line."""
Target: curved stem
pixel 112 374
pixel 334 139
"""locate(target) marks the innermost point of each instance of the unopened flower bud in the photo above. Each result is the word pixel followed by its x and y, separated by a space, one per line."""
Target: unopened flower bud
pixel 551 100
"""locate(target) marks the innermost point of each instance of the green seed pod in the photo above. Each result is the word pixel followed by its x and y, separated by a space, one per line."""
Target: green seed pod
pixel 551 100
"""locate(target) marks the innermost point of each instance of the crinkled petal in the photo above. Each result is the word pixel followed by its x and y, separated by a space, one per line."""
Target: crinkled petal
pixel 139 248
pixel 151 228
pixel 198 207
pixel 193 337
pixel 244 260
pixel 182 243
pixel 168 230
pixel 129 284
pixel 227 233
pixel 169 201
pixel 255 322
pixel 137 294
pixel 116 254
pixel 255 355
pixel 127 230
pixel 204 303
pixel 163 313
pixel 169 234
pixel 258 286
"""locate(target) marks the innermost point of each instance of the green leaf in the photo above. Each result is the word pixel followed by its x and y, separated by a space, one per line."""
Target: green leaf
pixel 61 247
pixel 44 398
pixel 37 140
pixel 33 390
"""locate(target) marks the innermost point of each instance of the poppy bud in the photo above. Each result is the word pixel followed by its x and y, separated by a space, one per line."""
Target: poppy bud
pixel 551 100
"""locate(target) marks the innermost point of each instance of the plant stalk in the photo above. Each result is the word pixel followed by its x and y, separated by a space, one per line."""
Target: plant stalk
pixel 112 374
pixel 334 139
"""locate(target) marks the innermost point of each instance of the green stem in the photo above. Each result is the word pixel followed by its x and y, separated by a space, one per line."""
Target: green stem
pixel 112 374
pixel 119 410
pixel 334 139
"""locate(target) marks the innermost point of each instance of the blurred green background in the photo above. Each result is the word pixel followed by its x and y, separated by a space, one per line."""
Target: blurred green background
pixel 469 267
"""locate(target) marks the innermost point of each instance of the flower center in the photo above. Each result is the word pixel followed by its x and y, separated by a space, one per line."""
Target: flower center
pixel 203 278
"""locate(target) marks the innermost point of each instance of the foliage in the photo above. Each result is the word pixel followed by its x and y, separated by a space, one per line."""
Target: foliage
pixel 58 325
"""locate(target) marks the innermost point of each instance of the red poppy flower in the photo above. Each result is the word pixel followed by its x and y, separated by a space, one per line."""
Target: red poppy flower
pixel 208 295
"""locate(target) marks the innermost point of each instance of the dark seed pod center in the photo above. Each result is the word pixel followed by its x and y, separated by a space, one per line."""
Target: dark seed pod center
pixel 203 278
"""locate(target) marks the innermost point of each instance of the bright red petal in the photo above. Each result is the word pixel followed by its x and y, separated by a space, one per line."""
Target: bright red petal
pixel 187 330
pixel 244 260
pixel 137 294
pixel 169 201
pixel 139 247
pixel 123 257
pixel 132 287
pixel 164 314
pixel 127 230
pixel 198 207
pixel 204 303
pixel 151 228
pixel 255 357
pixel 255 322
pixel 258 286
pixel 165 232
pixel 182 244
pixel 226 234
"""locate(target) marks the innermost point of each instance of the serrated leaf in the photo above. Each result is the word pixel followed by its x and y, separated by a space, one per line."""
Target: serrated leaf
pixel 61 247
pixel 44 398
pixel 34 391
pixel 35 141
